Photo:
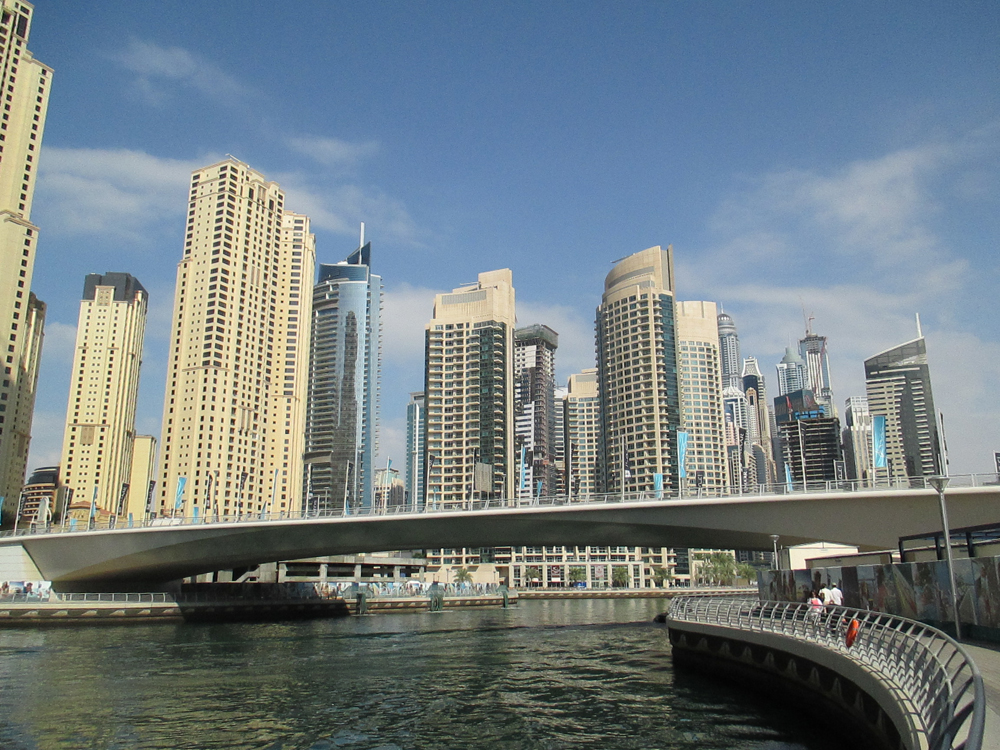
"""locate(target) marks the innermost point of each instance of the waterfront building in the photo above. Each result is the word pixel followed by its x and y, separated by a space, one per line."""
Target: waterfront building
pixel 535 410
pixel 234 406
pixel 559 440
pixel 704 459
pixel 792 373
pixel 415 451
pixel 637 375
pixel 344 380
pixel 104 390
pixel 738 454
pixel 389 490
pixel 729 353
pixel 142 479
pixel 810 439
pixel 857 439
pixel 469 393
pixel 762 467
pixel 43 498
pixel 812 349
pixel 582 418
pixel 898 386
pixel 27 83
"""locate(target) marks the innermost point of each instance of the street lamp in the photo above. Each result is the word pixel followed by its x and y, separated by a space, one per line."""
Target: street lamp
pixel 774 541
pixel 939 483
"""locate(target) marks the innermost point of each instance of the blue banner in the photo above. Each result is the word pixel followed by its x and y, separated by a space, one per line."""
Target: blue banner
pixel 682 448
pixel 878 441
pixel 788 477
pixel 181 481
pixel 658 485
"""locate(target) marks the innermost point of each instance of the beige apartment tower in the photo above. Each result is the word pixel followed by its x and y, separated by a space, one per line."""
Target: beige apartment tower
pixel 26 85
pixel 637 374
pixel 104 390
pixel 469 393
pixel 699 362
pixel 141 478
pixel 233 410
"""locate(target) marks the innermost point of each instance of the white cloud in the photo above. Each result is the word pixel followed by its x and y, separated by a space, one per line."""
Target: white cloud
pixel 332 152
pixel 59 343
pixel 406 310
pixel 342 208
pixel 156 67
pixel 111 193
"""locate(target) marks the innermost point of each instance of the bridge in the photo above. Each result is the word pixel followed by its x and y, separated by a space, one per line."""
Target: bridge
pixel 166 549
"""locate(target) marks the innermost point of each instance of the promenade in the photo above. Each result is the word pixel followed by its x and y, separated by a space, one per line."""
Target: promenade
pixel 987 658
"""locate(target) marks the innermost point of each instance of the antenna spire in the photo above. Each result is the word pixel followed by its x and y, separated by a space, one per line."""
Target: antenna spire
pixel 362 235
pixel 920 334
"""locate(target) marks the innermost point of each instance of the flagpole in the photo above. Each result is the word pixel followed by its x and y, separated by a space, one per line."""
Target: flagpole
pixel 623 467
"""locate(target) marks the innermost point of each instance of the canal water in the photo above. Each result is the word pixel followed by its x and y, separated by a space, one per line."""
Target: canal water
pixel 544 674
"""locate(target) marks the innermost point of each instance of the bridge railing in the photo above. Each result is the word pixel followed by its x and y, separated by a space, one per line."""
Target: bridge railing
pixel 202 514
pixel 933 677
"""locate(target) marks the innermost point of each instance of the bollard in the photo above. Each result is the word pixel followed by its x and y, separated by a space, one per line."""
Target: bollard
pixel 362 600
pixel 436 597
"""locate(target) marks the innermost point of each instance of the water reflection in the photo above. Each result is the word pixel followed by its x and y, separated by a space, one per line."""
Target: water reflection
pixel 554 674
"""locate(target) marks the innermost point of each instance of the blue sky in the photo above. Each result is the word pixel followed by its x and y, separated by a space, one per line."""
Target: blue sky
pixel 838 158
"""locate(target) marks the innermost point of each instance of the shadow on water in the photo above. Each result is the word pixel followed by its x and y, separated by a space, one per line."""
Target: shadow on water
pixel 591 674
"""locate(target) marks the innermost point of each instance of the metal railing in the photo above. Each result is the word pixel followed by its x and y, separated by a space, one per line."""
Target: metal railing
pixel 932 677
pixel 210 515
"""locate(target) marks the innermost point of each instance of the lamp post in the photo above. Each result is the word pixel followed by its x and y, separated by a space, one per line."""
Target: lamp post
pixel 939 483
pixel 774 541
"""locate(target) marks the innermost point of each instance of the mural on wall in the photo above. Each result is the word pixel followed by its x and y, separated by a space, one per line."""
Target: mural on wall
pixel 917 590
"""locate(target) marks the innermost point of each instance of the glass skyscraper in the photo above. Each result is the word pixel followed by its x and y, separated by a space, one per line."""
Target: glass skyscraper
pixel 344 381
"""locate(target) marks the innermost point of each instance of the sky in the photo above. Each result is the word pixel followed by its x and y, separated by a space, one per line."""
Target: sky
pixel 837 161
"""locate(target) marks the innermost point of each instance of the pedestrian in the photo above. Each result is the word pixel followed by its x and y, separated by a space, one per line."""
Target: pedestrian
pixel 815 610
pixel 837 596
pixel 826 595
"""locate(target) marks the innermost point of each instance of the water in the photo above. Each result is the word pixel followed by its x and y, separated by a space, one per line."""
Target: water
pixel 545 674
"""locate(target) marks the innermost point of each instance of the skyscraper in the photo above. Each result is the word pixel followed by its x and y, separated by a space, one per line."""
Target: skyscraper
pixel 898 384
pixel 344 381
pixel 810 438
pixel 582 416
pixel 729 353
pixel 813 350
pixel 701 397
pixel 26 100
pixel 104 390
pixel 758 424
pixel 469 392
pixel 792 374
pixel 637 374
pixel 233 415
pixel 535 409
pixel 415 412
pixel 857 438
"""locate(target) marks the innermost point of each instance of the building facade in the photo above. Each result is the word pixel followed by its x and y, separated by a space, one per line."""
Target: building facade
pixel 810 439
pixel 762 468
pixel 142 480
pixel 703 457
pixel 27 83
pixel 104 390
pixel 582 418
pixel 234 406
pixel 469 393
pixel 857 439
pixel 344 382
pixel 729 353
pixel 792 373
pixel 898 386
pixel 415 451
pixel 813 350
pixel 637 375
pixel 535 410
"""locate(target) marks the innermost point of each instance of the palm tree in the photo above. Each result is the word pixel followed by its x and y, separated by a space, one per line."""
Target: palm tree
pixel 661 574
pixel 620 576
pixel 748 572
pixel 462 576
pixel 532 574
pixel 577 574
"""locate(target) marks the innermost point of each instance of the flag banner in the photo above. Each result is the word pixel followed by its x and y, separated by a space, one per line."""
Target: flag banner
pixel 179 499
pixel 538 491
pixel 131 521
pixel 522 467
pixel 626 461
pixel 996 459
pixel 194 511
pixel 149 496
pixel 3 499
pixel 658 485
pixel 878 441
pixel 122 497
pixel 788 477
pixel 682 447
pixel 93 505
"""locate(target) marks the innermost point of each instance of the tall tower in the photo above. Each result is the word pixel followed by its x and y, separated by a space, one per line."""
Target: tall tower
pixel 236 391
pixel 469 388
pixel 813 350
pixel 415 414
pixel 898 384
pixel 792 374
pixel 701 397
pixel 637 374
pixel 857 438
pixel 582 409
pixel 758 424
pixel 104 391
pixel 26 99
pixel 534 410
pixel 729 353
pixel 344 380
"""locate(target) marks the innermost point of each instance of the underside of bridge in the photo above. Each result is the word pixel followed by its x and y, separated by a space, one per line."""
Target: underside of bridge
pixel 126 559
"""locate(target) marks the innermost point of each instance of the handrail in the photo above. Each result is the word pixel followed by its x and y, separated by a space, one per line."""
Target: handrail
pixel 933 676
pixel 477 504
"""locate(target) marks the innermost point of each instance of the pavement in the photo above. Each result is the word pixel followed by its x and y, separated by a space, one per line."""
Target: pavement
pixel 987 658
